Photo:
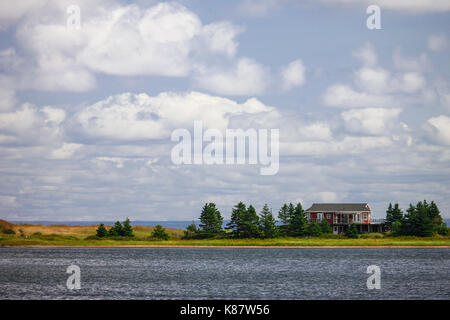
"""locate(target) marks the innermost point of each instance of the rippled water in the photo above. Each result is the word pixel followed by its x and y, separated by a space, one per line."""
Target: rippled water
pixel 174 273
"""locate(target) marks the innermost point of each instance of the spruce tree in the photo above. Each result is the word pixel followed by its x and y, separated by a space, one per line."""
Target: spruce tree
pixel 268 223
pixel 297 221
pixel 101 231
pixel 283 215
pixel 235 224
pixel 211 220
pixel 127 230
pixel 250 223
pixel 116 230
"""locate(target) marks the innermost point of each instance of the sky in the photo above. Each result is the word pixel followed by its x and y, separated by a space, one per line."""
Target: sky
pixel 89 100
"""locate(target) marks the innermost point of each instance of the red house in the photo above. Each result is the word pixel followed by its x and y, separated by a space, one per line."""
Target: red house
pixel 341 215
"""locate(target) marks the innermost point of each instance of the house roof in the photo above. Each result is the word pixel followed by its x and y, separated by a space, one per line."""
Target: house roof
pixel 333 207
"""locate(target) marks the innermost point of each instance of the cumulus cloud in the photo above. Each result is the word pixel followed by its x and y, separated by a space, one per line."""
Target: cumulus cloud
pixel 373 121
pixel 438 129
pixel 246 77
pixel 164 40
pixel 139 116
pixel 293 75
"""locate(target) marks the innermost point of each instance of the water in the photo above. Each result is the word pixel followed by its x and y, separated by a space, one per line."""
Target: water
pixel 216 273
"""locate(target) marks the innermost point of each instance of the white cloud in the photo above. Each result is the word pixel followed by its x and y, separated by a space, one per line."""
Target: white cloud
pixel 437 42
pixel 137 117
pixel 366 54
pixel 66 151
pixel 416 64
pixel 293 75
pixel 344 96
pixel 438 129
pixel 165 39
pixel 246 77
pixel 373 121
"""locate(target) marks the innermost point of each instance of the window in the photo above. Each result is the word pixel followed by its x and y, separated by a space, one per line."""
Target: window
pixel 328 215
pixel 319 216
pixel 365 215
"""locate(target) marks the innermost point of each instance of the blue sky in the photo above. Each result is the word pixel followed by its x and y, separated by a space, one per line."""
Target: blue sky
pixel 364 115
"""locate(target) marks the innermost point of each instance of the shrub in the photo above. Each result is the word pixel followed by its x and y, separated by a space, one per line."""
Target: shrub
pixel 352 232
pixel 313 229
pixel 159 233
pixel 442 229
pixel 9 231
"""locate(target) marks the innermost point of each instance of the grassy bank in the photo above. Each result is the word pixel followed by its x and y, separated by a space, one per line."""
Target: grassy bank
pixel 63 235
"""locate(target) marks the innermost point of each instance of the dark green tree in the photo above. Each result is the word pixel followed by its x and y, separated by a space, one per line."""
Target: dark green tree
pixel 211 220
pixel 244 222
pixel 393 214
pixel 313 229
pixel 297 221
pixel 325 226
pixel 116 230
pixel 250 224
pixel 283 216
pixel 191 231
pixel 352 231
pixel 267 222
pixel 101 231
pixel 235 224
pixel 159 233
pixel 127 230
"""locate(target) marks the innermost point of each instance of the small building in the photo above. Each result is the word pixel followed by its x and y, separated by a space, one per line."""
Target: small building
pixel 341 215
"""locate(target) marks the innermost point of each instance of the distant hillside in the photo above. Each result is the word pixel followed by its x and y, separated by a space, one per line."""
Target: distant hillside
pixel 6 225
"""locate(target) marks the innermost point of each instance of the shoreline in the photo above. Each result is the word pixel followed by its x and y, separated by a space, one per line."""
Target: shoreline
pixel 223 246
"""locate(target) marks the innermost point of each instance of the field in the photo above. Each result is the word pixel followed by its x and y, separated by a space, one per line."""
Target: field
pixel 63 235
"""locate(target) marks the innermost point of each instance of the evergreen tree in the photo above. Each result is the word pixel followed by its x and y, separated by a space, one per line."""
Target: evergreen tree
pixel 389 221
pixel 211 220
pixel 250 223
pixel 159 233
pixel 244 222
pixel 116 230
pixel 283 215
pixel 325 226
pixel 313 229
pixel 352 231
pixel 127 230
pixel 101 231
pixel 297 221
pixel 434 214
pixel 417 221
pixel 191 231
pixel 393 214
pixel 235 224
pixel 267 223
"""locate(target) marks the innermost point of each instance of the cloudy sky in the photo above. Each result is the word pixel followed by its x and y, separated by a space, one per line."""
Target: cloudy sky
pixel 86 114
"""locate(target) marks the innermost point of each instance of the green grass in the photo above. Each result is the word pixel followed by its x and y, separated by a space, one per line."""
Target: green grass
pixel 313 242
pixel 61 235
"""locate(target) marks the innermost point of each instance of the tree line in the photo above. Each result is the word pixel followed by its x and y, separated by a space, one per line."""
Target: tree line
pixel 245 222
pixel 423 220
